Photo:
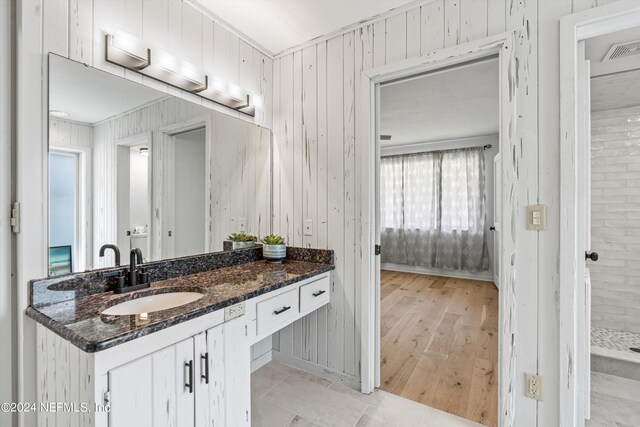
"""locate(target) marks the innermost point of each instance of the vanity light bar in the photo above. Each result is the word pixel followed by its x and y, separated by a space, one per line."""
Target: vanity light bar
pixel 123 51
pixel 183 75
pixel 129 53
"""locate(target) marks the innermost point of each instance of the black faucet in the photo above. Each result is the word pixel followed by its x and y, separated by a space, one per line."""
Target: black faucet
pixel 134 255
pixel 137 276
pixel 115 249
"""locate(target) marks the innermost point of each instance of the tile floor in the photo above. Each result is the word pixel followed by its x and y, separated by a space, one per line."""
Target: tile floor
pixel 284 396
pixel 615 401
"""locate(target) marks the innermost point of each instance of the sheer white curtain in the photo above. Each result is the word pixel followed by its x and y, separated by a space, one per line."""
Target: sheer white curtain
pixel 433 210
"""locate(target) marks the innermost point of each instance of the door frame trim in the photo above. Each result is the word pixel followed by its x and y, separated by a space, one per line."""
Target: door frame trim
pixel 574 28
pixel 502 45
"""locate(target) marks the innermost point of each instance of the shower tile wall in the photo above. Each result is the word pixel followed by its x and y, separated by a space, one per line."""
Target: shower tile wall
pixel 615 219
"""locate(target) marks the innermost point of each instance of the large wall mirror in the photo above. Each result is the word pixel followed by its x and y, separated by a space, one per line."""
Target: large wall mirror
pixel 138 168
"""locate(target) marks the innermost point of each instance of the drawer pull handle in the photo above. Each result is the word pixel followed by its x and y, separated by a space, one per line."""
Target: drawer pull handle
pixel 189 384
pixel 317 294
pixel 205 358
pixel 282 310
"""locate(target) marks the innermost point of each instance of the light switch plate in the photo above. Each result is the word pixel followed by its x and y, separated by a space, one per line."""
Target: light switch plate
pixel 242 225
pixel 536 217
pixel 308 227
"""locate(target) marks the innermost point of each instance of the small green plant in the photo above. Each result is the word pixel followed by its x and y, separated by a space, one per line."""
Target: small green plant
pixel 241 237
pixel 273 240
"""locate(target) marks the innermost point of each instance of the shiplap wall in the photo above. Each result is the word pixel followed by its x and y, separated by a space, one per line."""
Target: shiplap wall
pixel 240 157
pixel 316 88
pixel 75 29
pixel 7 320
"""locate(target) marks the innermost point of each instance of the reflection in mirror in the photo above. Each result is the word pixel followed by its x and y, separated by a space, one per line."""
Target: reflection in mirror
pixel 135 167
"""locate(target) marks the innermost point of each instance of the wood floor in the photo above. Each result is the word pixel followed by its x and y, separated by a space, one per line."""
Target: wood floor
pixel 440 343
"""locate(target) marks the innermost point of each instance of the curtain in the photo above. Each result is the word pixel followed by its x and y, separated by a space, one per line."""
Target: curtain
pixel 433 210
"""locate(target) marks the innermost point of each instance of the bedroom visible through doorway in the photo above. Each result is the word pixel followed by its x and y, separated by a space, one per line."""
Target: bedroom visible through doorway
pixel 439 223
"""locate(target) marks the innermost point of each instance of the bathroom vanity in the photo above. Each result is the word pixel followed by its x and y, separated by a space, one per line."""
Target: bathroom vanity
pixel 183 366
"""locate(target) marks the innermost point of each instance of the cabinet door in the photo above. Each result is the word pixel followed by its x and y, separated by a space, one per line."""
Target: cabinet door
pixel 151 391
pixel 210 393
pixel 237 368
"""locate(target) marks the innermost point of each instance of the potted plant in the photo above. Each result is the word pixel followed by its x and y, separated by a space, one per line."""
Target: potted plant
pixel 273 248
pixel 241 240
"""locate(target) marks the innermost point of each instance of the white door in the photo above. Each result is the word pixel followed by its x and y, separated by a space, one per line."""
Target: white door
pixel 154 390
pixel 210 391
pixel 497 215
pixel 584 235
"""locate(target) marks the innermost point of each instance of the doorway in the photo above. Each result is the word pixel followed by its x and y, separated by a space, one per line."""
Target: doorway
pixel 63 211
pixel 600 105
pixel 183 207
pixel 439 223
pixel 134 198
pixel 188 168
pixel 501 46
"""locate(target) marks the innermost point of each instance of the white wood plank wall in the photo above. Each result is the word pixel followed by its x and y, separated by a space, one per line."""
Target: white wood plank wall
pixel 7 317
pixel 76 28
pixel 330 338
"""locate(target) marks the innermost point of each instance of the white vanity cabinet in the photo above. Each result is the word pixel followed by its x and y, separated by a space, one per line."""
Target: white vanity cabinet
pixel 155 390
pixel 193 374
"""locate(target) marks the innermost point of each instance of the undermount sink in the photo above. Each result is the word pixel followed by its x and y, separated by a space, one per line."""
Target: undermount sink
pixel 152 303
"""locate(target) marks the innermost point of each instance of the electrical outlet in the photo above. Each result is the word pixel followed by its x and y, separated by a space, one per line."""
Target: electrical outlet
pixel 242 225
pixel 534 386
pixel 234 311
pixel 308 227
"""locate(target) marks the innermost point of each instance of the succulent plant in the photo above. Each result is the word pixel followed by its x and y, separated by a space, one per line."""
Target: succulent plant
pixel 241 237
pixel 273 240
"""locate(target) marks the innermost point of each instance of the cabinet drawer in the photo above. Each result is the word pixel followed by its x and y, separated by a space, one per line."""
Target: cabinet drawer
pixel 314 294
pixel 275 311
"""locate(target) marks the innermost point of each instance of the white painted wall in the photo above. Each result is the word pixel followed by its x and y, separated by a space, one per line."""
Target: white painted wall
pixel 190 161
pixel 8 386
pixel 615 218
pixel 489 154
pixel 74 29
pixel 315 152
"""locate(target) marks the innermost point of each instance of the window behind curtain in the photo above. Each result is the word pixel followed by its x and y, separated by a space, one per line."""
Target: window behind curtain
pixel 433 209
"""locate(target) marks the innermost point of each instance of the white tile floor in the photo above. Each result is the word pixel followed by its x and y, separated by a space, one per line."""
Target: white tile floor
pixel 284 396
pixel 615 401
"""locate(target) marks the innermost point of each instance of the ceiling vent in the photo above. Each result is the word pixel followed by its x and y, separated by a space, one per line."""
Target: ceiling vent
pixel 622 50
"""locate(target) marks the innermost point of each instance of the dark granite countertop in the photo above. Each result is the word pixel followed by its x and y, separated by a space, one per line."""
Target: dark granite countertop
pixel 79 319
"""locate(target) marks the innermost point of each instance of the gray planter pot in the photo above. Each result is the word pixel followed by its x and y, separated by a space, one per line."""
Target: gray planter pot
pixel 274 253
pixel 242 245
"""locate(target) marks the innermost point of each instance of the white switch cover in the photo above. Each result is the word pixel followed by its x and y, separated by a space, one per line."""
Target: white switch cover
pixel 536 217
pixel 308 227
pixel 242 225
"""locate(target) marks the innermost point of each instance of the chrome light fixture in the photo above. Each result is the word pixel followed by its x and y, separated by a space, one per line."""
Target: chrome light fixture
pixel 180 74
pixel 230 95
pixel 124 51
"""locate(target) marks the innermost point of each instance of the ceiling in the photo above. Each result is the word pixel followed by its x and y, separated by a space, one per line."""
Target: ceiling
pixel 89 95
pixel 280 24
pixel 453 104
pixel 620 90
pixel 596 49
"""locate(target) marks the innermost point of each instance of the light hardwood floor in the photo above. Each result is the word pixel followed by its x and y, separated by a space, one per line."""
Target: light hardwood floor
pixel 440 343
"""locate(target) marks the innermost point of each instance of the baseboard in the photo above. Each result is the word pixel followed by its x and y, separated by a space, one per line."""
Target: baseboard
pixel 321 371
pixel 484 276
pixel 261 360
